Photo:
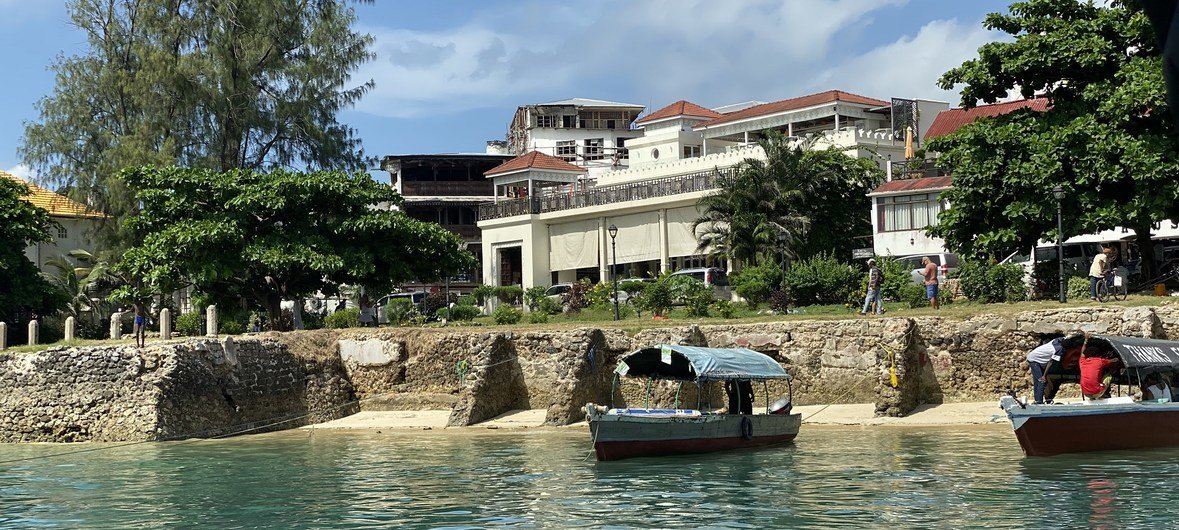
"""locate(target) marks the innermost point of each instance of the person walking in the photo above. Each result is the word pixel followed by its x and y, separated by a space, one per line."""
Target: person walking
pixel 875 278
pixel 931 285
pixel 1040 359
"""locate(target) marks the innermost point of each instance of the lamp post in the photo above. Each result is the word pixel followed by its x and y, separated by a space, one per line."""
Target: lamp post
pixel 613 230
pixel 1058 192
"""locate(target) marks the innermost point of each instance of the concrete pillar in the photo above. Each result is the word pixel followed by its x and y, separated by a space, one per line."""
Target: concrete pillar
pixel 211 321
pixel 117 325
pixel 604 251
pixel 71 329
pixel 3 335
pixel 33 332
pixel 165 324
pixel 664 253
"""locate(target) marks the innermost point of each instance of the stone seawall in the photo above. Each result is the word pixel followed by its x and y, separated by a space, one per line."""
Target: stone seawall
pixel 212 387
pixel 198 388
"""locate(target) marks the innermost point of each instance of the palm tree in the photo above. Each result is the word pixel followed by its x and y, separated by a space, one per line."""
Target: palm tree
pixel 80 277
pixel 757 213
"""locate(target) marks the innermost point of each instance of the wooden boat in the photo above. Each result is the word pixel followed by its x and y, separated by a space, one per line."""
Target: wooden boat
pixel 1101 424
pixel 633 432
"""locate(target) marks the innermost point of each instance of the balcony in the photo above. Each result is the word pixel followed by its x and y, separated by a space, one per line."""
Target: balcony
pixel 467 232
pixel 447 189
pixel 915 169
pixel 553 202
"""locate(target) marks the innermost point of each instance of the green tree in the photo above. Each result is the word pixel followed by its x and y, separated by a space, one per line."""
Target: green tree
pixel 1106 138
pixel 253 84
pixel 281 235
pixel 24 293
pixel 794 202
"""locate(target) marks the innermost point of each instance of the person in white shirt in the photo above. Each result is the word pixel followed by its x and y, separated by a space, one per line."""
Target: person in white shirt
pixel 1040 360
pixel 1097 271
pixel 1156 389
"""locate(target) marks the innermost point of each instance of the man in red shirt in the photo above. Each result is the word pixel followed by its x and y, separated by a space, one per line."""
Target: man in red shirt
pixel 1096 374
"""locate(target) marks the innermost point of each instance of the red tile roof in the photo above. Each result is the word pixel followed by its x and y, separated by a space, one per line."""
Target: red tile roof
pixel 802 102
pixel 56 205
pixel 918 184
pixel 948 121
pixel 680 108
pixel 533 160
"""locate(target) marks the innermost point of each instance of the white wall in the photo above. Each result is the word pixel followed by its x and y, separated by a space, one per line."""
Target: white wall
pixel 902 242
pixel 78 236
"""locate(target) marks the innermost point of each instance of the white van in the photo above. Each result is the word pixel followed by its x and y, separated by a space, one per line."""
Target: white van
pixel 713 277
pixel 1076 255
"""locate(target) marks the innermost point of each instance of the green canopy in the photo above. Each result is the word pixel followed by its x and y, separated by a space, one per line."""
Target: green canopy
pixel 691 363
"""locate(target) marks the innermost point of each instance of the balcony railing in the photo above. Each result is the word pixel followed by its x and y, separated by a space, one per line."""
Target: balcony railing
pixel 464 231
pixel 459 189
pixel 915 169
pixel 552 202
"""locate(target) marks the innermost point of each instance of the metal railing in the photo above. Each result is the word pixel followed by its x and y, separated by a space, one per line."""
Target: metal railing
pixel 431 188
pixel 914 169
pixel 552 202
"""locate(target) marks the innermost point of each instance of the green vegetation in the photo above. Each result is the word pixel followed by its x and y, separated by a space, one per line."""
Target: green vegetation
pixel 756 284
pixel 24 293
pixel 506 314
pixel 822 280
pixel 278 236
pixel 344 318
pixel 189 324
pixel 991 283
pixel 1107 137
pixel 249 84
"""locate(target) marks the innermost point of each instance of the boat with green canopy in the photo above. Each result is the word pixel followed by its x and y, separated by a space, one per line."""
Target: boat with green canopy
pixel 631 432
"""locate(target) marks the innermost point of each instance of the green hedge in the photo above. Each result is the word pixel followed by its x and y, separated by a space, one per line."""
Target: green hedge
pixel 189 324
pixel 821 280
pixel 506 314
pixel 346 318
pixel 992 283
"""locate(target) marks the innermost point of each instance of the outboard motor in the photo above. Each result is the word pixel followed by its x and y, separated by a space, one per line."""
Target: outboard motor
pixel 781 406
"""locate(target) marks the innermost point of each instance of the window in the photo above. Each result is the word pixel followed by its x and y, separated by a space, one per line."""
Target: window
pixel 62 233
pixel 908 212
pixel 567 121
pixel 567 150
pixel 546 121
pixel 610 124
pixel 691 151
pixel 593 148
pixel 655 153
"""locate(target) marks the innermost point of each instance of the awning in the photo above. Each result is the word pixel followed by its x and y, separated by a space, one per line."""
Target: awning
pixel 1139 356
pixel 691 363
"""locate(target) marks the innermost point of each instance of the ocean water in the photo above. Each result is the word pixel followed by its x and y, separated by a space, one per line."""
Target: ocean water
pixel 830 477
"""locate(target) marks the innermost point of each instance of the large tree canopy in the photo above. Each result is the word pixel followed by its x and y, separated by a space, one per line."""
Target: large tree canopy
pixel 796 202
pixel 1105 139
pixel 266 237
pixel 24 294
pixel 250 84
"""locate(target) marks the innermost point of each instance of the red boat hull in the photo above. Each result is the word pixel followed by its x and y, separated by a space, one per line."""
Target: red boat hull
pixel 633 449
pixel 1054 435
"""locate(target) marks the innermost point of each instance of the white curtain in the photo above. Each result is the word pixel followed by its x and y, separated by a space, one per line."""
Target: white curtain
pixel 573 245
pixel 638 237
pixel 681 239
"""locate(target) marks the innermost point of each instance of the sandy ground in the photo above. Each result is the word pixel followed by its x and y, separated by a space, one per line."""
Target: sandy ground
pixel 856 414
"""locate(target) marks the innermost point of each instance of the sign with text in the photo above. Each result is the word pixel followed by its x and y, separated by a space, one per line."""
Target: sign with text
pixel 861 253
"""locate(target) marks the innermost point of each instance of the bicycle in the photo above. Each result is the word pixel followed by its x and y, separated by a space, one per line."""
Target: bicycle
pixel 1111 286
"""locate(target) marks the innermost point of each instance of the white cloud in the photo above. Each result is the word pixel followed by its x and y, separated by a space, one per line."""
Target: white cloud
pixel 910 66
pixel 716 52
pixel 21 170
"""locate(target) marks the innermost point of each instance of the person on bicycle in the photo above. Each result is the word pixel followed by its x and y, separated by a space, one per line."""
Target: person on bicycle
pixel 1097 271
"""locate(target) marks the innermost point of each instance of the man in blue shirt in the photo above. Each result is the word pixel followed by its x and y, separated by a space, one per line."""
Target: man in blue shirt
pixel 1040 360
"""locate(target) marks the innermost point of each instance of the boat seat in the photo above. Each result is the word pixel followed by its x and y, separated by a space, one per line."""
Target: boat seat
pixel 656 412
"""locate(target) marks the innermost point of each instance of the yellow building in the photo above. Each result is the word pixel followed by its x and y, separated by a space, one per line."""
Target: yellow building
pixel 76 223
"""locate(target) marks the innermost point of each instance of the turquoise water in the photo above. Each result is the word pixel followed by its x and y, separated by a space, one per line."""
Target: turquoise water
pixel 854 477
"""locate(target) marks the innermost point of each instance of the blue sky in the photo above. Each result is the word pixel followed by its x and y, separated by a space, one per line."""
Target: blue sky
pixel 449 74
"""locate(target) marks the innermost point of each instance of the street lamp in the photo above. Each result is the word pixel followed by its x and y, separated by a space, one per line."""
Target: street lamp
pixel 613 230
pixel 1058 192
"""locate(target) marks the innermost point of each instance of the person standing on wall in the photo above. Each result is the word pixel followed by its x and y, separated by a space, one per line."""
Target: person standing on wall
pixel 140 328
pixel 1040 359
pixel 931 285
pixel 875 278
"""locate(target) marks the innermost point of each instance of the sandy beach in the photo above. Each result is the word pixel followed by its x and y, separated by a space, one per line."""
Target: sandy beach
pixel 977 413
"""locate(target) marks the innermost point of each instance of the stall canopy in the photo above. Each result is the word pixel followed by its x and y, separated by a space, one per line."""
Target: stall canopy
pixel 1139 356
pixel 691 363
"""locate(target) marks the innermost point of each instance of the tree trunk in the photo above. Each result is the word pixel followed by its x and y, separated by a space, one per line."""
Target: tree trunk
pixel 274 311
pixel 297 313
pixel 1148 266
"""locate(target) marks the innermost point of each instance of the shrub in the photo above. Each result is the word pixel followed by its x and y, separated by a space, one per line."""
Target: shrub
pixel 230 327
pixel 509 294
pixel 549 306
pixel 538 318
pixel 755 284
pixel 345 318
pixel 577 299
pixel 188 324
pixel 312 320
pixel 724 308
pixel 780 301
pixel 657 297
pixel 459 313
pixel 821 280
pixel 533 297
pixel 398 311
pixel 483 293
pixel 600 294
pixel 1078 288
pixel 1046 277
pixel 467 299
pixel 506 314
pixel 912 295
pixel 896 277
pixel 991 283
pixel 435 301
pixel 691 292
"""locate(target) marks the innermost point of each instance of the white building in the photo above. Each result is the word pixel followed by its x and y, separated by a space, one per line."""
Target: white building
pixel 591 133
pixel 75 222
pixel 547 225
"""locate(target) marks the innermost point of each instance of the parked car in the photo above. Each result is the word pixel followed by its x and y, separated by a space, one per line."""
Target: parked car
pixel 414 298
pixel 559 292
pixel 713 277
pixel 624 296
pixel 945 261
